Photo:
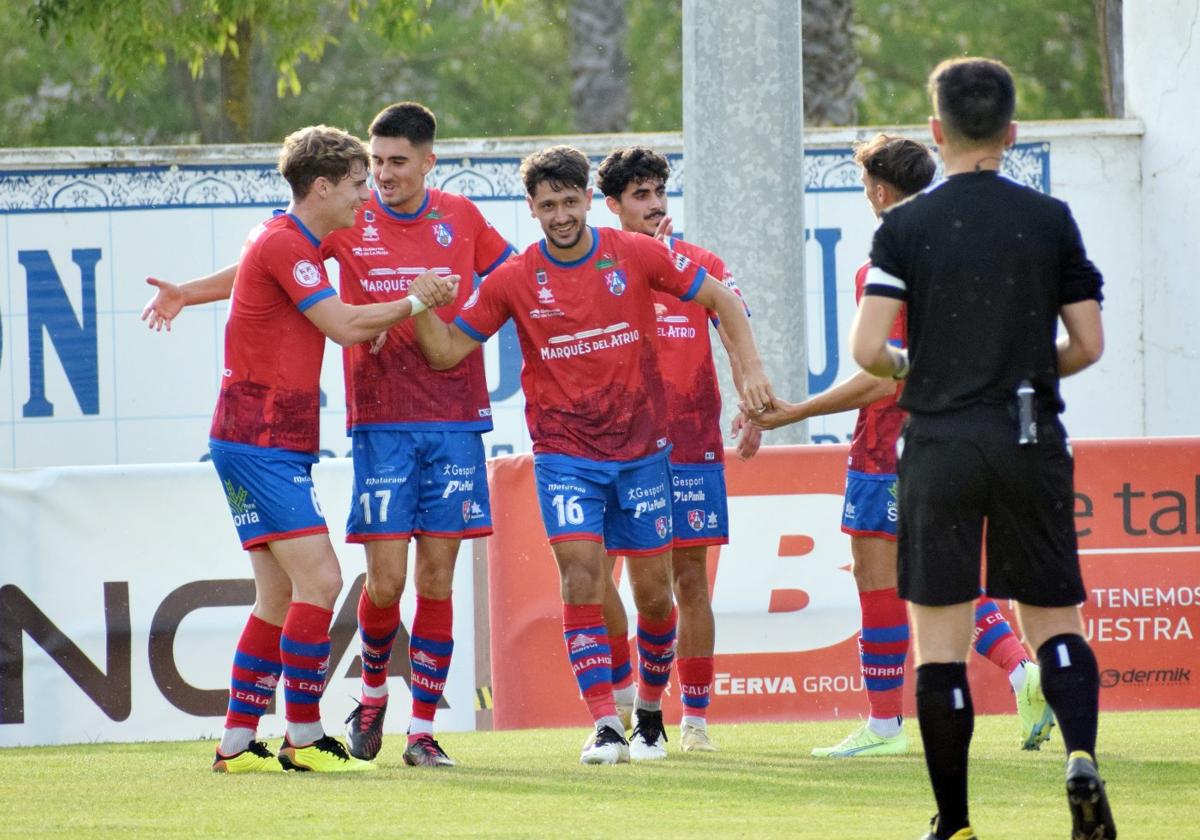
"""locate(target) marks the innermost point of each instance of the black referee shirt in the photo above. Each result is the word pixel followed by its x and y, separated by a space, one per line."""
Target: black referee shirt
pixel 984 264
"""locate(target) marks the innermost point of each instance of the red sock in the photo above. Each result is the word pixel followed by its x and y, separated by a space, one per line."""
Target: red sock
pixel 622 668
pixel 656 652
pixel 695 684
pixel 590 656
pixel 882 648
pixel 304 649
pixel 377 627
pixel 256 669
pixel 994 637
pixel 429 652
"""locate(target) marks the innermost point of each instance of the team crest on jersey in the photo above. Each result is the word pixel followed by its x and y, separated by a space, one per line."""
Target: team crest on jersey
pixel 306 274
pixel 663 526
pixel 615 280
pixel 443 234
pixel 370 234
pixel 696 519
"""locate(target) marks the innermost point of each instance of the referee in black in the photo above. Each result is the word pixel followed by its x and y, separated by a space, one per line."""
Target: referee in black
pixel 986 268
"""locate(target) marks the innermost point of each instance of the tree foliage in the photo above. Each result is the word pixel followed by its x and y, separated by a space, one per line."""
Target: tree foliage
pixel 167 71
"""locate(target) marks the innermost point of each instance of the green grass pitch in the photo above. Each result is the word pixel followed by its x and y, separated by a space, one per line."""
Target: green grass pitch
pixel 529 784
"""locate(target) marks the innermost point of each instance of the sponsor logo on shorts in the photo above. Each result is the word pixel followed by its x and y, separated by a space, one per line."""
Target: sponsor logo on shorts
pixel 649 505
pixel 457 486
pixel 712 520
pixel 689 496
pixel 306 274
pixel 696 519
pixel 1111 678
pixel 242 507
pixel 385 479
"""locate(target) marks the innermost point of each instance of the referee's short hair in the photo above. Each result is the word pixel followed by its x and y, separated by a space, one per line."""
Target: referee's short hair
pixel 905 164
pixel 973 97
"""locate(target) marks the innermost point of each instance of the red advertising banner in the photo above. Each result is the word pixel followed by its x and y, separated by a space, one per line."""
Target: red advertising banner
pixel 787 609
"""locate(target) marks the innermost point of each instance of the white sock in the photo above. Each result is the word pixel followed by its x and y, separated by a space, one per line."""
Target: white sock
pixel 624 696
pixel 1016 677
pixel 692 720
pixel 647 705
pixel 885 727
pixel 377 691
pixel 612 721
pixel 303 734
pixel 416 726
pixel 235 740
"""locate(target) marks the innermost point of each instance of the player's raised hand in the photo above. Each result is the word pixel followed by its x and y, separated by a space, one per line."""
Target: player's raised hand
pixel 434 290
pixel 665 228
pixel 164 306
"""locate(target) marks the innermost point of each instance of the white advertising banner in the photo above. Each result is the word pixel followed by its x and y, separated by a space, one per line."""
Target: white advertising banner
pixel 123 591
pixel 82 381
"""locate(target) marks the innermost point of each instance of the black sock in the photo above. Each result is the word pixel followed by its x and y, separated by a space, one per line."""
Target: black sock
pixel 947 721
pixel 1071 683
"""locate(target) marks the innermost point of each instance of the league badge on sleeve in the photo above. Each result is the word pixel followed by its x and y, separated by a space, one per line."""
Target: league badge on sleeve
pixel 306 274
pixel 443 234
pixel 616 282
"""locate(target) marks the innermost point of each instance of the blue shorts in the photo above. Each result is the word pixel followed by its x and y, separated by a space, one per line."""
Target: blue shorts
pixel 698 502
pixel 408 483
pixel 870 507
pixel 270 492
pixel 625 506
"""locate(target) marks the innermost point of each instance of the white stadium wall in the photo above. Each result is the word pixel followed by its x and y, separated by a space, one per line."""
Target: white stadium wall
pixel 83 382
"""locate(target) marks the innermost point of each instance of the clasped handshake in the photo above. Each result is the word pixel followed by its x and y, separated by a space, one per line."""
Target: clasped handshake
pixel 434 289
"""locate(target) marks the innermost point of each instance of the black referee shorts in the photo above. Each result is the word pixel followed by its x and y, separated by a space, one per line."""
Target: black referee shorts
pixel 958 473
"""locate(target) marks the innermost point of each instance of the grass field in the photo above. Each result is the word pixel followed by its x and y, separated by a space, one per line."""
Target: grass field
pixel 528 784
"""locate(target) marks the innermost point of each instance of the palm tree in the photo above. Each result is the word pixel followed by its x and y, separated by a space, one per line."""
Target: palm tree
pixel 599 69
pixel 831 63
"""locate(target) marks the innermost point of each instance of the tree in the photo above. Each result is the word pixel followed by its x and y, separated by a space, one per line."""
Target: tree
pixel 125 37
pixel 599 70
pixel 831 88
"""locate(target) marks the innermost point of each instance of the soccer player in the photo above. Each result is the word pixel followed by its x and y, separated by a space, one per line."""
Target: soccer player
pixel 264 440
pixel 633 181
pixel 893 170
pixel 582 303
pixel 419 467
pixel 985 268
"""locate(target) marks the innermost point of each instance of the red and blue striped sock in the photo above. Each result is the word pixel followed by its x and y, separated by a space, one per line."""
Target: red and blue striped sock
pixel 304 646
pixel 377 627
pixel 622 668
pixel 656 653
pixel 429 652
pixel 882 649
pixel 995 639
pixel 256 670
pixel 590 656
pixel 695 685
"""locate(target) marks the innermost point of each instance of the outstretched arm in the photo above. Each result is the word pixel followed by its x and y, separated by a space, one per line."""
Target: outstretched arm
pixel 444 345
pixel 170 299
pixel 749 437
pixel 859 391
pixel 347 324
pixel 756 391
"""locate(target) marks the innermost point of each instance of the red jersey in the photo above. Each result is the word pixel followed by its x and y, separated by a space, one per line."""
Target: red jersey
pixel 379 258
pixel 270 390
pixel 686 360
pixel 591 379
pixel 873 447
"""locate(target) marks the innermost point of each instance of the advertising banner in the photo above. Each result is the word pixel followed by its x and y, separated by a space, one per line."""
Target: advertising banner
pixel 786 606
pixel 123 591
